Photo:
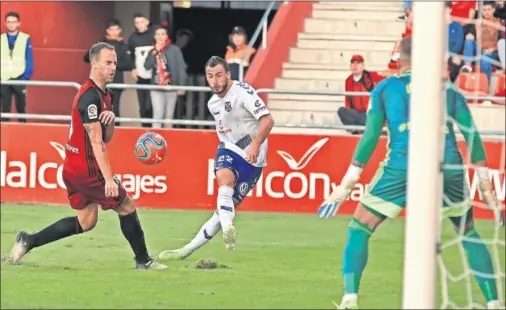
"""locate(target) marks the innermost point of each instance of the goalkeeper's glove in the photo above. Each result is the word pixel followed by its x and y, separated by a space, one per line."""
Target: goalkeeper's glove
pixel 489 196
pixel 330 206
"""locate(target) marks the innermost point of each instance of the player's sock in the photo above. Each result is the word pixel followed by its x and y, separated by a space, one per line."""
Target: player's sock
pixel 355 255
pixel 480 262
pixel 132 230
pixel 206 233
pixel 61 229
pixel 226 209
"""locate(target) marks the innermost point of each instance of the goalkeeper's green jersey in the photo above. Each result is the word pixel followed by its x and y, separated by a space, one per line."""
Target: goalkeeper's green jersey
pixel 390 102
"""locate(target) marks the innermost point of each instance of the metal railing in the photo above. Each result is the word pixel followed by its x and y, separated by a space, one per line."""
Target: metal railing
pixel 207 89
pixel 262 27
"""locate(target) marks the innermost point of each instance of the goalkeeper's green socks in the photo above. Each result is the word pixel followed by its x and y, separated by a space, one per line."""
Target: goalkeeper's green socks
pixel 355 255
pixel 481 265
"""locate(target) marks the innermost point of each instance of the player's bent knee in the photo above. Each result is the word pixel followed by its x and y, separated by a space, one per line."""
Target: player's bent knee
pixel 88 217
pixel 367 217
pixel 126 207
pixel 225 177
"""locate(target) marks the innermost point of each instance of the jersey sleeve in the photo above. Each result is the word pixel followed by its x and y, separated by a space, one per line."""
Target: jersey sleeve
pixel 252 102
pixel 465 122
pixel 376 102
pixel 89 106
pixel 373 126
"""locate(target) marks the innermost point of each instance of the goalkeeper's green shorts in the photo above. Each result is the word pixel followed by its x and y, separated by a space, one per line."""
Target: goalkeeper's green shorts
pixel 386 194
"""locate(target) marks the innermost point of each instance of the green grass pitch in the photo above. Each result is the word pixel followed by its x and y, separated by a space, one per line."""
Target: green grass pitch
pixel 281 261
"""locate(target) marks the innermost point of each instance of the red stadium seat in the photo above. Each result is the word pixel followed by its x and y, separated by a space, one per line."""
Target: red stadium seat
pixel 473 84
pixel 500 90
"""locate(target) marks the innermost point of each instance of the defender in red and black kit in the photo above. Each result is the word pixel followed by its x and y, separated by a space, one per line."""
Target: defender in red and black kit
pixel 87 172
pixel 81 172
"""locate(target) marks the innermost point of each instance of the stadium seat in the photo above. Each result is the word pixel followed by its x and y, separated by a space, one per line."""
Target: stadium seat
pixel 500 90
pixel 473 84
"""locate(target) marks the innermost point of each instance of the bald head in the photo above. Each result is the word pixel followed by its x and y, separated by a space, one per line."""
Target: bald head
pixel 405 50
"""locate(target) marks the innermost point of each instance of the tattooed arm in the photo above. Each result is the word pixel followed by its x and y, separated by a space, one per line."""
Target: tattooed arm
pixel 94 131
pixel 89 109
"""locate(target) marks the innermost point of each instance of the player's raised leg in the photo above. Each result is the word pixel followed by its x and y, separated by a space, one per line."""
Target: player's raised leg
pixel 85 220
pixel 132 230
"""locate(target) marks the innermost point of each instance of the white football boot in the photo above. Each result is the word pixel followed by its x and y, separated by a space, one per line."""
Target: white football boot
pixel 177 254
pixel 229 236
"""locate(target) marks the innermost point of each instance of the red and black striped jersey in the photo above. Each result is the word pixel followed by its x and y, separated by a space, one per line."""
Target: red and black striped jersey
pixel 89 102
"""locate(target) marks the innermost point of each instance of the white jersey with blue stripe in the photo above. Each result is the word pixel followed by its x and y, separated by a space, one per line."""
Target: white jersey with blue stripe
pixel 237 118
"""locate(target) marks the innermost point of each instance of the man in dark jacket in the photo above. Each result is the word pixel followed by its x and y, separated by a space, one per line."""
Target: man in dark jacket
pixel 140 44
pixel 113 37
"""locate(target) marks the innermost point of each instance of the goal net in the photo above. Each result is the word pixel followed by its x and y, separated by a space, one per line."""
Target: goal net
pixel 477 72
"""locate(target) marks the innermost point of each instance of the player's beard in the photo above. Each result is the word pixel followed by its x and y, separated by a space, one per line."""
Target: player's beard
pixel 223 88
pixel 109 78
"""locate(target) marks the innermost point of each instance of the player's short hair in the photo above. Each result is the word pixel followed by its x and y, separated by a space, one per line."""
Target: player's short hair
pixel 13 14
pixel 97 48
pixel 491 3
pixel 113 22
pixel 215 61
pixel 405 48
pixel 139 15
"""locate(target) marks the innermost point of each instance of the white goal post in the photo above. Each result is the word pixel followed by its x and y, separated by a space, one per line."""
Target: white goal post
pixel 424 187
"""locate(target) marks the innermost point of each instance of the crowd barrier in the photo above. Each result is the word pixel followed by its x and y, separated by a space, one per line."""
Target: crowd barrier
pixel 302 169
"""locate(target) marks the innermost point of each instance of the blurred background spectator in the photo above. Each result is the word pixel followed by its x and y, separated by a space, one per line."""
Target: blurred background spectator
pixel 483 41
pixel 113 37
pixel 16 63
pixel 360 80
pixel 500 12
pixel 456 34
pixel 140 44
pixel 167 65
pixel 183 38
pixel 238 52
pixel 408 6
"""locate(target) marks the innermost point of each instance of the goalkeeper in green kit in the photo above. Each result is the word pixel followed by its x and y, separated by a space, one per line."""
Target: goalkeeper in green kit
pixel 386 195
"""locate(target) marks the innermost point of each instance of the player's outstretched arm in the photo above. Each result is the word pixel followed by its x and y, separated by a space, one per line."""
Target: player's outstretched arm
pixel 477 155
pixel 365 148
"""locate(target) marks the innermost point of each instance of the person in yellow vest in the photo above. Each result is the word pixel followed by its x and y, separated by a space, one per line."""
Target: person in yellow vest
pixel 238 52
pixel 16 63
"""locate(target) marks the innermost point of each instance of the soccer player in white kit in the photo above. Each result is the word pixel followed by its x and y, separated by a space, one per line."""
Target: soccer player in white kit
pixel 243 123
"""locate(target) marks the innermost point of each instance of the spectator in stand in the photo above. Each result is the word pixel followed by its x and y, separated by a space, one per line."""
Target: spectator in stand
pixel 16 64
pixel 394 65
pixel 408 5
pixel 360 80
pixel 114 38
pixel 183 38
pixel 500 12
pixel 140 44
pixel 455 44
pixel 238 52
pixel 464 12
pixel 485 41
pixel 167 65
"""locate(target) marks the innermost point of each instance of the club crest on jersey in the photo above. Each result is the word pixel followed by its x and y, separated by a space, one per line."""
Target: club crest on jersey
pixel 228 106
pixel 92 111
